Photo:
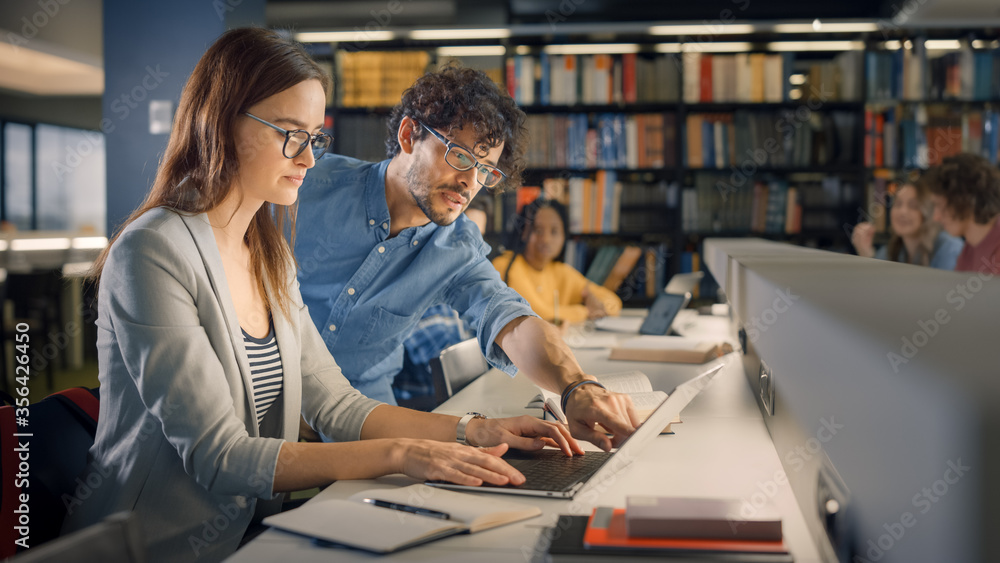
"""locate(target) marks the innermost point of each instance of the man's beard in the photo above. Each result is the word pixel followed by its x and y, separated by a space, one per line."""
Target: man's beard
pixel 425 200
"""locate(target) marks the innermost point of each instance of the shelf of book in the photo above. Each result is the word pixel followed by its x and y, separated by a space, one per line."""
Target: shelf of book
pixel 660 148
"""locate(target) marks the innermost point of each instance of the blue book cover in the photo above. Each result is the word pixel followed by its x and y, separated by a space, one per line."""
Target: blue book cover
pixel 609 200
pixel 662 266
pixel 871 62
pixel 607 152
pixel 707 144
pixel 621 141
pixel 518 88
pixel 544 87
pixel 908 132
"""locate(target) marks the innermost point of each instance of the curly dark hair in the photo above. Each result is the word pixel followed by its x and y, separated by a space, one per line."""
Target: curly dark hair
pixel 455 97
pixel 969 183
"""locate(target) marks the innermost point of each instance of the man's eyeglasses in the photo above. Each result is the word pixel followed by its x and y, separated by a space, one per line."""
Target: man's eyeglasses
pixel 462 159
pixel 296 141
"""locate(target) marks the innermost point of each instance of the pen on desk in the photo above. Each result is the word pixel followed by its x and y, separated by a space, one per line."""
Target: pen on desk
pixel 553 407
pixel 411 509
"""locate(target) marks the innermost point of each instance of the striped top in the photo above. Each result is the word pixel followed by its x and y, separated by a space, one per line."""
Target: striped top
pixel 265 370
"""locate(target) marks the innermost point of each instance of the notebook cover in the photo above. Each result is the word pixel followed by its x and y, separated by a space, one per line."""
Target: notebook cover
pixel 613 534
pixel 564 542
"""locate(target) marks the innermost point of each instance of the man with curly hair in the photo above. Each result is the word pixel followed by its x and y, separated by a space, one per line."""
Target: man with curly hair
pixel 379 243
pixel 965 189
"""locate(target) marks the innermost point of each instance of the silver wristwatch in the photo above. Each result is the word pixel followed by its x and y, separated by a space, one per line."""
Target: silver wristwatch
pixel 462 423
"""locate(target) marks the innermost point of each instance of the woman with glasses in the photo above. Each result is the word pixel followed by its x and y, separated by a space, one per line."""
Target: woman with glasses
pixel 208 357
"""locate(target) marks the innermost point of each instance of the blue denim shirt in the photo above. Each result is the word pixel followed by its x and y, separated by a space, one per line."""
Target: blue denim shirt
pixel 366 292
pixel 946 251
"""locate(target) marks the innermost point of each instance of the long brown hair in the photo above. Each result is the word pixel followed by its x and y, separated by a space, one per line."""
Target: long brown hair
pixel 927 233
pixel 200 166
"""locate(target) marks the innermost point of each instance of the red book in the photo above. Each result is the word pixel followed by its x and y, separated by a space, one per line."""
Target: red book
pixel 879 140
pixel 526 195
pixel 706 78
pixel 628 78
pixel 613 534
pixel 511 77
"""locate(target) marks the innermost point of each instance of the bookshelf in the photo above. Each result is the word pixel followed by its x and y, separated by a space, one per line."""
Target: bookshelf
pixel 660 149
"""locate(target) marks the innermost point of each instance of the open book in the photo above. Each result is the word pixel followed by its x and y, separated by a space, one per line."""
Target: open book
pixel 650 348
pixel 635 384
pixel 387 520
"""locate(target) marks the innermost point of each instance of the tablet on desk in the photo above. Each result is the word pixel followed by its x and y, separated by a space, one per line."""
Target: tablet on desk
pixel 659 320
pixel 662 313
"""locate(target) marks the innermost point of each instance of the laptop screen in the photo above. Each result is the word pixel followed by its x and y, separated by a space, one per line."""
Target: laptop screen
pixel 661 314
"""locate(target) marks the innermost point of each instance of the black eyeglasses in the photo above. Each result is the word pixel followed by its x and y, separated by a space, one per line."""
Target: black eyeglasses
pixel 296 141
pixel 462 159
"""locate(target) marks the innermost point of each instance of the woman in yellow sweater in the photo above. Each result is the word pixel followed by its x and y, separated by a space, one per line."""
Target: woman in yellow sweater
pixel 555 290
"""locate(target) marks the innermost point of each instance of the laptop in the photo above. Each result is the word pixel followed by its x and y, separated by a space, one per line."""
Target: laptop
pixel 658 321
pixel 549 473
pixel 684 283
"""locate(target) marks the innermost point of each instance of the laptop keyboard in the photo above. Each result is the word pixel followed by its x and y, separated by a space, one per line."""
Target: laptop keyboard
pixel 551 470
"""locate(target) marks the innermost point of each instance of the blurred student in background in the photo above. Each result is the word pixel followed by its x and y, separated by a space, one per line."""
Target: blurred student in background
pixel 915 239
pixel 534 268
pixel 965 190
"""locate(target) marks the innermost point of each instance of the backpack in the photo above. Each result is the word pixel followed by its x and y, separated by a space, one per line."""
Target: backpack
pixel 40 462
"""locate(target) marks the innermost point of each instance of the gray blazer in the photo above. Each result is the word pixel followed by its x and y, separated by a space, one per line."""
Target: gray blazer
pixel 178 440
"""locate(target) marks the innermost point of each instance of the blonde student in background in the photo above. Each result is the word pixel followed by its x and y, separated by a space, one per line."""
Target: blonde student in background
pixel 916 238
pixel 208 356
pixel 555 290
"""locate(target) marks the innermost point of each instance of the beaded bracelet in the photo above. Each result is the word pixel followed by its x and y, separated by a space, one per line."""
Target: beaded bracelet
pixel 573 387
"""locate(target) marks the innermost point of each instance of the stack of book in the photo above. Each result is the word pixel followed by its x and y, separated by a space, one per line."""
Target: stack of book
pixel 377 78
pixel 594 204
pixel 601 79
pixel 766 78
pixel 609 140
pixel 764 205
pixel 910 74
pixel 919 136
pixel 667 528
pixel 634 271
pixel 773 139
pixel 742 77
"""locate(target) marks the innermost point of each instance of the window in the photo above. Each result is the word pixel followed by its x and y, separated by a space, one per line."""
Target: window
pixel 65 189
pixel 71 179
pixel 17 175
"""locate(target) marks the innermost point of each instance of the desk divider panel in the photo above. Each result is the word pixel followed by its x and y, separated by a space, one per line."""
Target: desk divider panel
pixel 877 381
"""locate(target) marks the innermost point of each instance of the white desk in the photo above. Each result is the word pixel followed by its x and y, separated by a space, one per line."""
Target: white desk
pixel 721 450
